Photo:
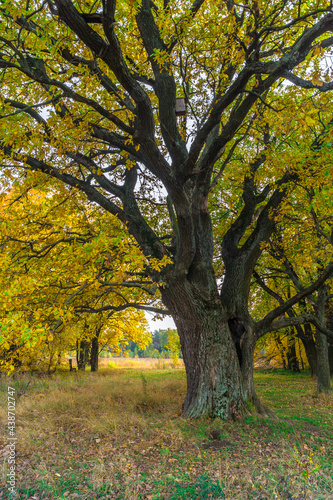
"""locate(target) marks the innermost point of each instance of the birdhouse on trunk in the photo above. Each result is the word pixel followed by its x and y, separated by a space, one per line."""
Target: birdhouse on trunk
pixel 180 106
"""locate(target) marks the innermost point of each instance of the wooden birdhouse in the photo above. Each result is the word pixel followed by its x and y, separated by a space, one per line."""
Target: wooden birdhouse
pixel 180 106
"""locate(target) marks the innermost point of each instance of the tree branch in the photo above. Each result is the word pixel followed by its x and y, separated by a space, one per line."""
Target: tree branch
pixel 122 307
pixel 285 322
pixel 265 324
pixel 306 84
pixel 111 54
pixel 165 86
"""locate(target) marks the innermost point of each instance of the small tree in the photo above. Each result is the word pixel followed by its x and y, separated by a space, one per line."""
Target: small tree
pixel 173 345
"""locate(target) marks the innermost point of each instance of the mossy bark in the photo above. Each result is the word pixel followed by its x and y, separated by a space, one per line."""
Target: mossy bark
pixel 219 384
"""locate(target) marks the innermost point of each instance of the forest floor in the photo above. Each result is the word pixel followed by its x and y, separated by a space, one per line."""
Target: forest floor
pixel 118 434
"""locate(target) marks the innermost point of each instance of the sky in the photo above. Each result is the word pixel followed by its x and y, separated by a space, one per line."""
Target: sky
pixel 167 322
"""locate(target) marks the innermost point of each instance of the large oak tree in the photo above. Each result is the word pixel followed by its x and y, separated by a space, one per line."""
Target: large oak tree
pixel 89 93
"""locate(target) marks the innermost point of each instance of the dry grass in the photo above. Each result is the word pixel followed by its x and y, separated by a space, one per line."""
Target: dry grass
pixel 118 434
pixel 141 363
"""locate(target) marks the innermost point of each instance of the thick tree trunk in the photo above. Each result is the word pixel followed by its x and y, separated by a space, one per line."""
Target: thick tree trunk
pixel 217 385
pixel 323 367
pixel 94 354
pixel 214 383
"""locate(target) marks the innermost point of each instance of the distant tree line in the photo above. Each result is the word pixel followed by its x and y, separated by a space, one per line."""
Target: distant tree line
pixel 164 344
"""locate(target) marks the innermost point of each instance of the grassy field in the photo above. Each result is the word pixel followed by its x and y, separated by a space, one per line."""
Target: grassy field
pixel 118 434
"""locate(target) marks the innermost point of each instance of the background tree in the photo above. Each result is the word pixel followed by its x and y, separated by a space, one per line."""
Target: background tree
pixel 173 344
pixel 61 281
pixel 89 98
pixel 160 339
pixel 298 250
